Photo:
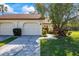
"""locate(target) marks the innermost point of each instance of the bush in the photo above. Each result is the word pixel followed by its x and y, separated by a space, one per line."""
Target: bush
pixel 44 32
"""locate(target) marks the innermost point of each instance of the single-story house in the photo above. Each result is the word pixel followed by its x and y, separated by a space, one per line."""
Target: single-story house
pixel 30 24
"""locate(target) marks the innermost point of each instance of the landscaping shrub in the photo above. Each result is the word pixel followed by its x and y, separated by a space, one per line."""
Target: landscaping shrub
pixel 44 31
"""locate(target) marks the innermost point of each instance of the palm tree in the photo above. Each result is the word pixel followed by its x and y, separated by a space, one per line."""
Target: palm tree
pixel 3 9
pixel 59 14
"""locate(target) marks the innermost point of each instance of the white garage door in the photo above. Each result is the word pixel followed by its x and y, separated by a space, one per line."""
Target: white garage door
pixel 32 29
pixel 6 29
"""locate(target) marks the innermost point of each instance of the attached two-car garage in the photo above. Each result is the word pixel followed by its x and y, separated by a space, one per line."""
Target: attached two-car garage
pixel 27 28
pixel 29 24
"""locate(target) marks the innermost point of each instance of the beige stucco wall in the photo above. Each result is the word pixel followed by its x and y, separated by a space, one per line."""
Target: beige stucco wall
pixel 20 22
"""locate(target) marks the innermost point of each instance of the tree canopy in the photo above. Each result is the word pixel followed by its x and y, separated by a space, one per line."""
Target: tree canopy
pixel 59 13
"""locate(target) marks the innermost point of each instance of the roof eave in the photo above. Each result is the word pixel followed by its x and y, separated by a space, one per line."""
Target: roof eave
pixel 22 18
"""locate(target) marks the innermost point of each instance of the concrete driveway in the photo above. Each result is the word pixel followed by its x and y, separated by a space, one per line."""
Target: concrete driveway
pixel 22 46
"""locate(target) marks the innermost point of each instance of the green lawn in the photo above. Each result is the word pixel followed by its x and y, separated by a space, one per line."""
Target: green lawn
pixel 74 34
pixel 66 46
pixel 7 40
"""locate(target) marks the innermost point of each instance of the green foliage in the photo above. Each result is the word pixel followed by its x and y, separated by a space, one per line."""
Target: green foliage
pixel 65 46
pixel 59 14
pixel 44 31
pixel 3 9
pixel 74 24
pixel 74 34
pixel 40 8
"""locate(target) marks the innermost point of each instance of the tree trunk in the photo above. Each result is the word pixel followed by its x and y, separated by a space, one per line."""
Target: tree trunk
pixel 59 31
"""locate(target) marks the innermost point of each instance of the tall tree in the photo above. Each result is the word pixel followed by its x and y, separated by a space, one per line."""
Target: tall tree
pixel 3 9
pixel 59 14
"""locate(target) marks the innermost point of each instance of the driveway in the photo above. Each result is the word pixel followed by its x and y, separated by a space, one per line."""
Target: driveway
pixel 22 46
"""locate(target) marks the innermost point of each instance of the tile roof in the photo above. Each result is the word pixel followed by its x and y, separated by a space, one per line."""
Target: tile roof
pixel 21 17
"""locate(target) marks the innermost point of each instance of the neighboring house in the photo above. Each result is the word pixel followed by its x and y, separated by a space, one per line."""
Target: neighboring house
pixel 47 23
pixel 30 24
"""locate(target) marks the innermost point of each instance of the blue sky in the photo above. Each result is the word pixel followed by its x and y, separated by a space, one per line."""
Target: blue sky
pixel 20 8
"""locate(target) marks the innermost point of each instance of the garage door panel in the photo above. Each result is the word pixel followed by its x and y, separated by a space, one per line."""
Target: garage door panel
pixel 31 29
pixel 6 29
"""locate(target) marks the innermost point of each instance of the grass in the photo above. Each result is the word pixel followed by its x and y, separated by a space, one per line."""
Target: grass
pixel 65 46
pixel 7 40
pixel 75 34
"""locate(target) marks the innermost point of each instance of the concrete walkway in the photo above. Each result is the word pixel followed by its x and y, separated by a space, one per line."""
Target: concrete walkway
pixel 22 46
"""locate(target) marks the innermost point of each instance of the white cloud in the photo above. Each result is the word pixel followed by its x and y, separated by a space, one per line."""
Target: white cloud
pixel 26 9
